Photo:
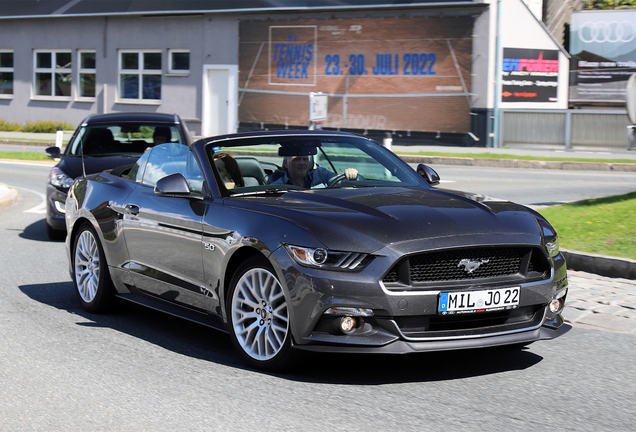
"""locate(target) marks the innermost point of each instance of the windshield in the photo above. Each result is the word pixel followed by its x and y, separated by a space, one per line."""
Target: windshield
pixel 306 162
pixel 122 139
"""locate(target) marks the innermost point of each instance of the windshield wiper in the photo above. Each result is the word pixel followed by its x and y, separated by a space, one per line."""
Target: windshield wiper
pixel 273 191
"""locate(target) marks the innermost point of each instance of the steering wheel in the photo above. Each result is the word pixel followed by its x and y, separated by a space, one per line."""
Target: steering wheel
pixel 338 179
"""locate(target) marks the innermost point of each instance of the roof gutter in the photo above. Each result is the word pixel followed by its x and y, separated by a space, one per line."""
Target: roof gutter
pixel 256 10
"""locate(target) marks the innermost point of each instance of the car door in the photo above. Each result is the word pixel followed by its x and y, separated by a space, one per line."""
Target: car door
pixel 164 233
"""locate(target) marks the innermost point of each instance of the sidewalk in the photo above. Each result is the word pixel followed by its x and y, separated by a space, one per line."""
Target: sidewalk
pixel 600 303
pixel 409 154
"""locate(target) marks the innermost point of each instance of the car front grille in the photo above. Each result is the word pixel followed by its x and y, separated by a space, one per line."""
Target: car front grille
pixel 468 264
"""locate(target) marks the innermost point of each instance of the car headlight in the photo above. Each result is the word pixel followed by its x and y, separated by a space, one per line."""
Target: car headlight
pixel 58 178
pixel 328 259
pixel 553 247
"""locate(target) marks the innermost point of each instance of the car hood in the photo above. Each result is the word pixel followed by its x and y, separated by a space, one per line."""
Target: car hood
pixel 72 165
pixel 367 219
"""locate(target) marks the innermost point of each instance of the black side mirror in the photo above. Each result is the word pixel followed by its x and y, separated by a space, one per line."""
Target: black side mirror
pixel 172 185
pixel 428 174
pixel 53 152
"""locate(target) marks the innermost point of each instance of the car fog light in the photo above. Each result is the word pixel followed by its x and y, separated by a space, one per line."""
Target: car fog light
pixel 556 305
pixel 348 324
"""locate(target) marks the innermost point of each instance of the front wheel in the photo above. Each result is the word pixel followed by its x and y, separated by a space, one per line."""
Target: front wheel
pixel 259 317
pixel 92 281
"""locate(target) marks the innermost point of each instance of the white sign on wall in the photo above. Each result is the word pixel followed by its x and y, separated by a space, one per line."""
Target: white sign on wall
pixel 317 107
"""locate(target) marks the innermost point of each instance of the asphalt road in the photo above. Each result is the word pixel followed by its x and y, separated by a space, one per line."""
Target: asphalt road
pixel 64 369
pixel 536 187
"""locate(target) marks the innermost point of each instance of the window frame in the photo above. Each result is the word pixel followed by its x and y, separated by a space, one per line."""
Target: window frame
pixel 149 179
pixel 85 71
pixel 9 70
pixel 53 70
pixel 178 72
pixel 140 72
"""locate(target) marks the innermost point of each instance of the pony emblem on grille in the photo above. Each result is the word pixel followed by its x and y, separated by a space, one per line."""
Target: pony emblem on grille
pixel 471 265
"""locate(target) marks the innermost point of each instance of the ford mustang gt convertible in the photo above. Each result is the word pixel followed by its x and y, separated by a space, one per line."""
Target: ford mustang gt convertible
pixel 315 241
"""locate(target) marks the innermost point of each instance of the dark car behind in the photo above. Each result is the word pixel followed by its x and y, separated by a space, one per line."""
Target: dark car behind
pixel 102 142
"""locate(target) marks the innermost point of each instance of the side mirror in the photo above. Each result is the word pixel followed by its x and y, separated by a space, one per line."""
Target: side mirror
pixel 172 185
pixel 428 174
pixel 53 152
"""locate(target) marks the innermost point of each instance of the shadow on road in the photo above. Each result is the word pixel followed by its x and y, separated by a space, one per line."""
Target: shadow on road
pixel 36 231
pixel 197 341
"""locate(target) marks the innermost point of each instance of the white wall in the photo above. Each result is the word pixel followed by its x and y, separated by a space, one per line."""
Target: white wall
pixel 211 41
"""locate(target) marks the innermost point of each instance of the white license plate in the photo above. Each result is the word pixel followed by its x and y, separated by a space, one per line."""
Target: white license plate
pixel 478 301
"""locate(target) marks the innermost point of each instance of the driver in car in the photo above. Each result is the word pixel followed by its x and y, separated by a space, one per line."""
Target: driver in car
pixel 298 172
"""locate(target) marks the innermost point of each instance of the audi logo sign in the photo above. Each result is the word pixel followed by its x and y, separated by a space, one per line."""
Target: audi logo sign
pixel 612 32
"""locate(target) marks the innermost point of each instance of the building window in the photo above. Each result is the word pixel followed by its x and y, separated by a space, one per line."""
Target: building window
pixel 140 75
pixel 87 73
pixel 179 61
pixel 52 73
pixel 6 73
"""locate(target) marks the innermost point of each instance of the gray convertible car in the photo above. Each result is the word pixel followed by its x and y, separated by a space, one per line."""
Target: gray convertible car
pixel 314 241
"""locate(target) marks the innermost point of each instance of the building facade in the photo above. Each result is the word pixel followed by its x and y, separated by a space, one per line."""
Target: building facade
pixel 423 72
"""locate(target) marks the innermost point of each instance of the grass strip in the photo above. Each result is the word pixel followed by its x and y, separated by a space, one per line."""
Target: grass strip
pixel 24 156
pixel 605 226
pixel 517 157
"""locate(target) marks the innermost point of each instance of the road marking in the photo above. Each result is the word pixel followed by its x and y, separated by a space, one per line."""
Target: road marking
pixel 43 163
pixel 38 209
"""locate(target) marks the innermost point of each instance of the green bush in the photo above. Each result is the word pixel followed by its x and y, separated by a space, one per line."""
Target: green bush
pixel 40 126
pixel 45 126
pixel 144 132
pixel 8 126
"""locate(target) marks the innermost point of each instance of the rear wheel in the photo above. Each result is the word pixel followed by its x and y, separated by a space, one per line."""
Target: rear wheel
pixel 92 281
pixel 259 317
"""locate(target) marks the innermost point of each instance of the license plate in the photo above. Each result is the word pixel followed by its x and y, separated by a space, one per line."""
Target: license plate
pixel 478 301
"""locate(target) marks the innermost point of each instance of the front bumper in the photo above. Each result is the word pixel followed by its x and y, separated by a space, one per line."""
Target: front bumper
pixel 55 200
pixel 404 322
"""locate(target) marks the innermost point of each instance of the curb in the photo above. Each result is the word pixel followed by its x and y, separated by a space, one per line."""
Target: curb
pixel 8 196
pixel 29 143
pixel 600 264
pixel 517 163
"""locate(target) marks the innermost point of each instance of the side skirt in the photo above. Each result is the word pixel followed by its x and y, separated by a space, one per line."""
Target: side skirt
pixel 207 320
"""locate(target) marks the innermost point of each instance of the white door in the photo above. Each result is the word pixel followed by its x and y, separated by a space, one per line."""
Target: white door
pixel 219 101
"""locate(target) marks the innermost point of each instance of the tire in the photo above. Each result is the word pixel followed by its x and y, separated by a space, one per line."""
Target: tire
pixel 93 285
pixel 55 234
pixel 258 317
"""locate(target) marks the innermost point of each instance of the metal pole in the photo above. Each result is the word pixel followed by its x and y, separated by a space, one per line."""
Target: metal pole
pixel 496 138
pixel 568 130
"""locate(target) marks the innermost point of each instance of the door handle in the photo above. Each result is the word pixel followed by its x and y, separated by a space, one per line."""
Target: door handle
pixel 132 209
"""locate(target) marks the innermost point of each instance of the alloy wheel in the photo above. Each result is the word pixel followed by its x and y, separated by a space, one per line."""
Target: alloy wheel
pixel 260 319
pixel 87 266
